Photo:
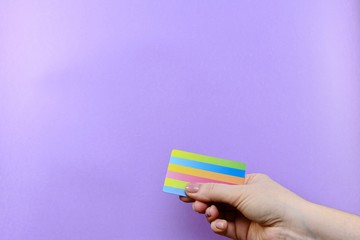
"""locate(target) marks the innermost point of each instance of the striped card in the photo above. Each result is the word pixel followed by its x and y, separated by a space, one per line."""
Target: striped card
pixel 185 167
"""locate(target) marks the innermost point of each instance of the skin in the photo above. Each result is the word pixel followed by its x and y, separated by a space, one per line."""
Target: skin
pixel 262 209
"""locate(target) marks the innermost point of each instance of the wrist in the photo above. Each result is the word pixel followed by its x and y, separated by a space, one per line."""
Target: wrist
pixel 323 223
pixel 296 223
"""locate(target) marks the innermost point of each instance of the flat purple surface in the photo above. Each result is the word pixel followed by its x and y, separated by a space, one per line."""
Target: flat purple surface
pixel 94 95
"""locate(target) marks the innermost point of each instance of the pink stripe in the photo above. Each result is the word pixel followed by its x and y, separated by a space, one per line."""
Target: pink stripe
pixel 193 179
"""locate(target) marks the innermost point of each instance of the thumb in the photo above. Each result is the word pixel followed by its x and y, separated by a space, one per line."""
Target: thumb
pixel 214 192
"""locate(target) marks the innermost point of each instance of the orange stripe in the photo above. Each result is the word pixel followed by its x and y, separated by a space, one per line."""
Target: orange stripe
pixel 205 174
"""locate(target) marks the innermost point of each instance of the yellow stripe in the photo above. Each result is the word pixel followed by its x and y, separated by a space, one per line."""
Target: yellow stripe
pixel 170 182
pixel 205 174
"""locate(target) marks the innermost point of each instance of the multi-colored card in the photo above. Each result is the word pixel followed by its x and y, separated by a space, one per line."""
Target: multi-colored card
pixel 185 167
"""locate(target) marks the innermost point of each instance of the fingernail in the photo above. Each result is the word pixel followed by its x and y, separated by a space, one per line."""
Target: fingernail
pixel 220 225
pixel 207 213
pixel 192 187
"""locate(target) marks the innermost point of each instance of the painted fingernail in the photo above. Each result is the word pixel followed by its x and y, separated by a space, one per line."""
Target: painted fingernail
pixel 192 187
pixel 208 214
pixel 220 225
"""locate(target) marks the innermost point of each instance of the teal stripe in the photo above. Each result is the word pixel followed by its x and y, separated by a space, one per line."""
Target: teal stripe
pixel 208 167
pixel 172 190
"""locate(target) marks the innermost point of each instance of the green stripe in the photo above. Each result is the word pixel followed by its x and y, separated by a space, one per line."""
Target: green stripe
pixel 208 159
pixel 175 183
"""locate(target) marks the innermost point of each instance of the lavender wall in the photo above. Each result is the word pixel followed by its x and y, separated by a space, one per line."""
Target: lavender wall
pixel 95 94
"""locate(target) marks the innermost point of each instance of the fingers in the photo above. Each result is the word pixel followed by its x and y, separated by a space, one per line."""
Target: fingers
pixel 224 228
pixel 214 192
pixel 221 218
pixel 212 213
pixel 200 207
pixel 219 226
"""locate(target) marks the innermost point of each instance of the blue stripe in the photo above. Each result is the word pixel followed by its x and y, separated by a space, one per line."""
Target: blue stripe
pixel 208 167
pixel 173 190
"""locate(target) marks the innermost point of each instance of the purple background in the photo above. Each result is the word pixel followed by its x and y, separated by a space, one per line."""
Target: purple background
pixel 94 95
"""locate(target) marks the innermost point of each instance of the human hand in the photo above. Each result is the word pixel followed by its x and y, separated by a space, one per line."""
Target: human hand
pixel 259 209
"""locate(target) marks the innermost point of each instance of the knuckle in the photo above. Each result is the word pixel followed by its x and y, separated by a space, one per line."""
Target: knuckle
pixel 211 187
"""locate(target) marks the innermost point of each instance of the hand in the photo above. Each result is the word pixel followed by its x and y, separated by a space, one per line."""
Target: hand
pixel 260 209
